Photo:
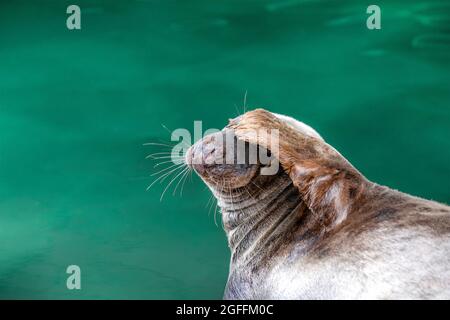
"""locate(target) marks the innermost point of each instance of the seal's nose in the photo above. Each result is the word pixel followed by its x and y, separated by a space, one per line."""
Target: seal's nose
pixel 206 153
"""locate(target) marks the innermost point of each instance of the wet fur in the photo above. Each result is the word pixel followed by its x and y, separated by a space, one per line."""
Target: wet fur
pixel 320 230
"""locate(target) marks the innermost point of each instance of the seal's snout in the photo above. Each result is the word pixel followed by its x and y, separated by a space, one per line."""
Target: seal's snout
pixel 214 158
pixel 206 153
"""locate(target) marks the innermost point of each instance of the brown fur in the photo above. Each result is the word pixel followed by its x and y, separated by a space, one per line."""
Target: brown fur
pixel 313 166
pixel 328 183
pixel 320 230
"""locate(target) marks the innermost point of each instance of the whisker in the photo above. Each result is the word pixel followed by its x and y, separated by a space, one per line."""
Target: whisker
pixel 163 176
pixel 165 169
pixel 171 181
pixel 185 178
pixel 214 202
pixel 258 186
pixel 210 204
pixel 168 144
pixel 237 110
pixel 158 154
pixel 160 163
pixel 217 202
pixel 164 157
pixel 167 129
pixel 170 131
pixel 215 219
pixel 209 200
pixel 245 101
pixel 186 171
pixel 162 180
pixel 248 192
pixel 162 152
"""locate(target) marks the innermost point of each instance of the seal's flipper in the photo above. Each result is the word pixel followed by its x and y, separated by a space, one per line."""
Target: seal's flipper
pixel 327 182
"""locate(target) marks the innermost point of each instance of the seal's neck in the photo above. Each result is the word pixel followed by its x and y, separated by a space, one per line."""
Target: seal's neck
pixel 272 211
pixel 258 215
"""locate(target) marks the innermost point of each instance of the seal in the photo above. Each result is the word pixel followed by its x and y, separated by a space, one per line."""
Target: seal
pixel 317 228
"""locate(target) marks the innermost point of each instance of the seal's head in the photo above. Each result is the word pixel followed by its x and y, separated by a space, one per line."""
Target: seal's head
pixel 215 159
pixel 236 173
pixel 221 160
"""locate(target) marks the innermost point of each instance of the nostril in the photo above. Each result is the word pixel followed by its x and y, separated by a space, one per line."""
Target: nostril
pixel 213 149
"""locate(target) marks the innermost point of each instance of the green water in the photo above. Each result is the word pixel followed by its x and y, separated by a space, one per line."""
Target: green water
pixel 76 107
